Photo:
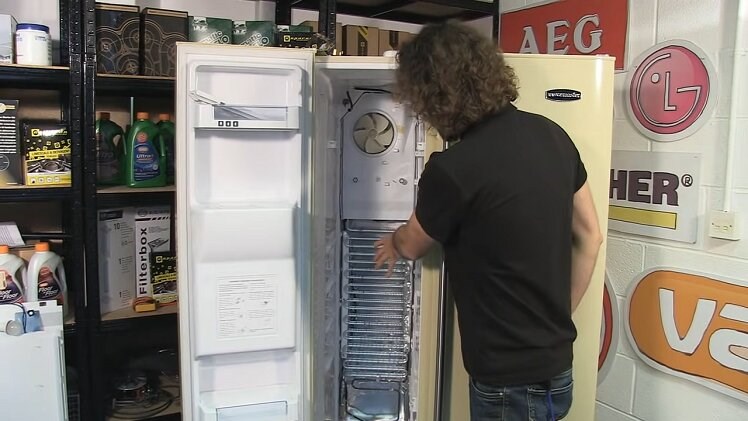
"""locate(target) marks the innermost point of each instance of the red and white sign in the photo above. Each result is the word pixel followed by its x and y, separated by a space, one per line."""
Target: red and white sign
pixel 670 91
pixel 589 27
pixel 608 331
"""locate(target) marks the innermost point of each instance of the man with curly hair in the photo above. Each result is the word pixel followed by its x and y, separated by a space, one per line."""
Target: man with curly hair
pixel 511 207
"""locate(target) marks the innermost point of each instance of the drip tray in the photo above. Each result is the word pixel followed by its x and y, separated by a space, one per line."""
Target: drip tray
pixel 373 401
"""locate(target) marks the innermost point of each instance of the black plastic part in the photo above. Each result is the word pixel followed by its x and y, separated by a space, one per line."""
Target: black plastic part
pixel 136 86
pixel 113 200
pixel 35 194
pixel 30 77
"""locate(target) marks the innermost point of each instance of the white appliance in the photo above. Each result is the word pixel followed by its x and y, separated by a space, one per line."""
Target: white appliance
pixel 290 166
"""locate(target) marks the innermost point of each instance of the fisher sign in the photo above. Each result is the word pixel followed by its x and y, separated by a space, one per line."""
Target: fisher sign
pixel 568 27
pixel 692 326
pixel 655 194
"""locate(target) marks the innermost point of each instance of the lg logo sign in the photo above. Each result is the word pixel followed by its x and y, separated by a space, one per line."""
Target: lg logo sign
pixel 671 90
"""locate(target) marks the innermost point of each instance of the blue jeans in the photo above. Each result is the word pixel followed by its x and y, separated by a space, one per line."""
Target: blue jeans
pixel 522 402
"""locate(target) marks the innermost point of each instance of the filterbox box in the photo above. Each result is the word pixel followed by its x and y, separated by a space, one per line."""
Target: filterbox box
pixel 152 234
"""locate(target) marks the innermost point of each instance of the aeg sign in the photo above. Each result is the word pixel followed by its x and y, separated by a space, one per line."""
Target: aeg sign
pixel 692 326
pixel 568 27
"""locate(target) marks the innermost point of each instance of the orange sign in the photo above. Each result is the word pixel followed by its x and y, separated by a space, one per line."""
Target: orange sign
pixel 692 326
pixel 589 27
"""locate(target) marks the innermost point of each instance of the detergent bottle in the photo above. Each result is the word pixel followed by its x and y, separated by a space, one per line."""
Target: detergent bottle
pixel 12 277
pixel 144 154
pixel 168 131
pixel 110 145
pixel 46 277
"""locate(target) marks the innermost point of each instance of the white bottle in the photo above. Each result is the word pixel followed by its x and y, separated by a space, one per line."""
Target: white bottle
pixel 12 277
pixel 46 277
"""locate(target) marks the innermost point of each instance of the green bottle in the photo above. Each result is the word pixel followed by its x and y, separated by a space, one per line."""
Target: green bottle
pixel 110 147
pixel 168 131
pixel 144 154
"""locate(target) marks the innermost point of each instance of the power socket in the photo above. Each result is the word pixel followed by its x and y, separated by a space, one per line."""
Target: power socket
pixel 724 225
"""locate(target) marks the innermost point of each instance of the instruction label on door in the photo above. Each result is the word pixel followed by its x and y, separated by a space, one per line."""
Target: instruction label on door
pixel 247 306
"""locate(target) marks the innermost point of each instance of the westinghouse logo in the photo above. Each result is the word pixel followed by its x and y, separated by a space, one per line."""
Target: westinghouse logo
pixel 563 95
pixel 692 326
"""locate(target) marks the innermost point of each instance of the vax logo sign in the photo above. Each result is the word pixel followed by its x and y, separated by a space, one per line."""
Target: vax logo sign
pixel 692 326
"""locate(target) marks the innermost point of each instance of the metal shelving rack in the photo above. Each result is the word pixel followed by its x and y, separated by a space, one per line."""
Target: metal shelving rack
pixel 68 81
pixel 79 81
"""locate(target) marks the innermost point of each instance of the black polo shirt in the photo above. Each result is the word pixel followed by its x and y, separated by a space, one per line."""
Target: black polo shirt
pixel 500 202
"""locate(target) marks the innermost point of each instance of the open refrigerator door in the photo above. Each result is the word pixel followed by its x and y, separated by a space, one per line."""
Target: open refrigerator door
pixel 243 207
pixel 283 315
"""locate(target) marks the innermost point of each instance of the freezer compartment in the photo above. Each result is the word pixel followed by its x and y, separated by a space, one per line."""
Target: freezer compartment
pixel 376 324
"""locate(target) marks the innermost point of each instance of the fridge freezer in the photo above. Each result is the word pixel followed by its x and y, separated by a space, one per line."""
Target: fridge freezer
pixel 282 313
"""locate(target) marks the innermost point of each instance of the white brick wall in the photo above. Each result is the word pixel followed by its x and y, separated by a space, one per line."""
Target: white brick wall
pixel 633 391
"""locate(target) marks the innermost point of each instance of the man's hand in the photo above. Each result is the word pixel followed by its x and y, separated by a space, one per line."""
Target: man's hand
pixel 410 241
pixel 386 254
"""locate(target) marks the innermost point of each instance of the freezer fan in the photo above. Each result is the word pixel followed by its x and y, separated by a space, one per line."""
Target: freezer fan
pixel 373 133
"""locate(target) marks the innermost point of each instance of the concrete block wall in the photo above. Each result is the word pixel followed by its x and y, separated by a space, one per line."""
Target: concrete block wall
pixel 632 390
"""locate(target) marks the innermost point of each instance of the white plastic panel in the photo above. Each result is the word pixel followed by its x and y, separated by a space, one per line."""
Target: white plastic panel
pixel 243 206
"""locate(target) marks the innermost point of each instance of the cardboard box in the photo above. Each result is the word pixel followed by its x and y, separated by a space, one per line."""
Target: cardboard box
pixel 160 31
pixel 392 40
pixel 117 39
pixel 164 277
pixel 360 40
pixel 46 154
pixel 254 33
pixel 152 234
pixel 210 30
pixel 7 38
pixel 116 232
pixel 338 34
pixel 10 145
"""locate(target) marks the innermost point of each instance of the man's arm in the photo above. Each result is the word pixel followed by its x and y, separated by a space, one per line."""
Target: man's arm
pixel 411 241
pixel 587 240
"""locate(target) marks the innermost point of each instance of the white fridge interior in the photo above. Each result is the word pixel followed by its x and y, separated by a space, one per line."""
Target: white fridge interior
pixel 282 313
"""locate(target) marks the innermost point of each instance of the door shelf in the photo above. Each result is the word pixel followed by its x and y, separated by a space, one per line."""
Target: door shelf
pixel 25 193
pixel 34 77
pixel 127 318
pixel 127 196
pixel 134 86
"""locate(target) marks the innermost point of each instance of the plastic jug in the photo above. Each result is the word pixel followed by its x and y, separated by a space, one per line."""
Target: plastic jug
pixel 110 145
pixel 144 154
pixel 168 131
pixel 46 277
pixel 12 277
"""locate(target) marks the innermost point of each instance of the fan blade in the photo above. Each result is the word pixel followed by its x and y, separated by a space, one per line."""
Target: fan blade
pixel 373 147
pixel 360 137
pixel 365 122
pixel 380 122
pixel 385 138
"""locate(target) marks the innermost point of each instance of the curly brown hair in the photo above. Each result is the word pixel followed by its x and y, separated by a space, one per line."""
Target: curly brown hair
pixel 454 77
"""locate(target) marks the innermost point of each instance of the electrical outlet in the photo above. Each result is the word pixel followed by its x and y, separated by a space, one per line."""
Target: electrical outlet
pixel 724 225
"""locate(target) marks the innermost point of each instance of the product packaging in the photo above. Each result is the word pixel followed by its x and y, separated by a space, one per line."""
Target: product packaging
pixel 46 154
pixel 392 40
pixel 210 30
pixel 10 145
pixel 164 277
pixel 33 44
pixel 117 39
pixel 160 31
pixel 7 36
pixel 116 229
pixel 254 33
pixel 338 34
pixel 360 40
pixel 152 234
